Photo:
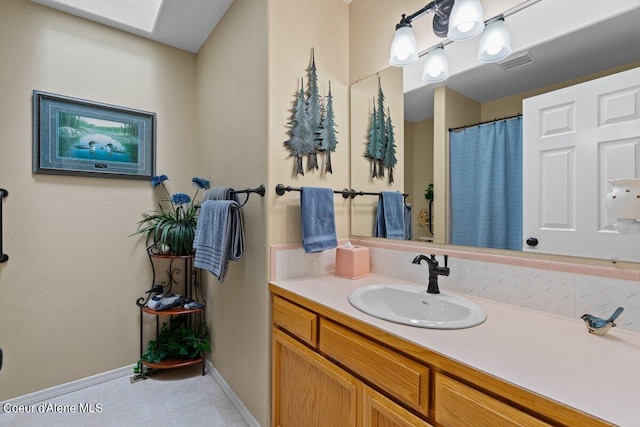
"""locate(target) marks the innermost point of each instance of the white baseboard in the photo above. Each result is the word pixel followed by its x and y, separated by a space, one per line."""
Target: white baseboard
pixel 59 390
pixel 235 400
pixel 53 392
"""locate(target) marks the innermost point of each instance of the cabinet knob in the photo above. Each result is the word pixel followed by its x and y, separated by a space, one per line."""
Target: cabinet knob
pixel 532 241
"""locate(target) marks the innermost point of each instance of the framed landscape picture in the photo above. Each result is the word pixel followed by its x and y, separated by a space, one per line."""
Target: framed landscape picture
pixel 79 137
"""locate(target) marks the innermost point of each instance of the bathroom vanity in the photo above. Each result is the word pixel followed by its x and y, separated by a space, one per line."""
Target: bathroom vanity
pixel 334 365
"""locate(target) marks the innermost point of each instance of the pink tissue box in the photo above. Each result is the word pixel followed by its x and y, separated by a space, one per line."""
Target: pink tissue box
pixel 352 263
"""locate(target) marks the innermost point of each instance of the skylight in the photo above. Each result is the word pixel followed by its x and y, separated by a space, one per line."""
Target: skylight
pixel 139 14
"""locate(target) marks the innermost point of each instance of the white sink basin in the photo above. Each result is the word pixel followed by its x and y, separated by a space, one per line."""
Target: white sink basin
pixel 412 305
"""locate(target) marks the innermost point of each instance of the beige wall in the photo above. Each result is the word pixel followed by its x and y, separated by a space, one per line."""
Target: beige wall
pixel 419 169
pixel 244 105
pixel 232 146
pixel 69 288
pixel 292 33
pixel 363 94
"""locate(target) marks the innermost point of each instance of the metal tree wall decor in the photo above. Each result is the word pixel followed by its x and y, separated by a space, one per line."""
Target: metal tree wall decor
pixel 312 128
pixel 328 140
pixel 381 147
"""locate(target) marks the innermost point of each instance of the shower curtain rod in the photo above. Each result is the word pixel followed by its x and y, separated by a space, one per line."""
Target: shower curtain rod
pixel 484 123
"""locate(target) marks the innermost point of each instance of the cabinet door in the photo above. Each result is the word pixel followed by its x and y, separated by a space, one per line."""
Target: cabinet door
pixel 309 390
pixel 458 405
pixel 378 411
pixel 401 377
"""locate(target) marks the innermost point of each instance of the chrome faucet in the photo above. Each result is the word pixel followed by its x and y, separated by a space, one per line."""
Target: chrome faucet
pixel 434 271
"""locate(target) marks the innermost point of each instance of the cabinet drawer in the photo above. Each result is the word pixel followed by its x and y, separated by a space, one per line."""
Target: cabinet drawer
pixel 398 375
pixel 296 320
pixel 379 411
pixel 458 405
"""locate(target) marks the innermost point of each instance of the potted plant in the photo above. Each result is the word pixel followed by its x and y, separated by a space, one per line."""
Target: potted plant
pixel 172 228
pixel 176 341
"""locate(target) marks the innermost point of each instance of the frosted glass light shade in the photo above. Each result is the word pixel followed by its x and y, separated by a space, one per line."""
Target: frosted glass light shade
pixel 436 66
pixel 495 43
pixel 404 48
pixel 466 20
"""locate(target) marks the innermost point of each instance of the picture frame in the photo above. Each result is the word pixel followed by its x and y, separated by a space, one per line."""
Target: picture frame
pixel 74 136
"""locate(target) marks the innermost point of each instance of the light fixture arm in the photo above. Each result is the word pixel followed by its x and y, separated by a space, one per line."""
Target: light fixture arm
pixel 495 18
pixel 431 7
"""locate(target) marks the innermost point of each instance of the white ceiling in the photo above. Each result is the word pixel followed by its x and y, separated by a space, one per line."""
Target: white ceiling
pixel 582 50
pixel 184 24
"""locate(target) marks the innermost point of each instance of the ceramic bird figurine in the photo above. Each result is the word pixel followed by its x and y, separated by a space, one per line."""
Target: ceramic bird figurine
pixel 599 326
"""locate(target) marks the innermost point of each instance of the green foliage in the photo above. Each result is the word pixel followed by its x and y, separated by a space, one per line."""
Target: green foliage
pixel 177 342
pixel 176 229
pixel 173 226
pixel 428 193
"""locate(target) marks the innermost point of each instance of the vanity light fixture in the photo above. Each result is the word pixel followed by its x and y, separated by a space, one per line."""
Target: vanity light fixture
pixel 466 20
pixel 404 48
pixel 495 43
pixel 456 20
pixel 436 66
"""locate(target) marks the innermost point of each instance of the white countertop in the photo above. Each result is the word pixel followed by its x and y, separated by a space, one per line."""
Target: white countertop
pixel 550 355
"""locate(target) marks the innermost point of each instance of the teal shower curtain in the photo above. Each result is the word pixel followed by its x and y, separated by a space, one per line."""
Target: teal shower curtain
pixel 486 185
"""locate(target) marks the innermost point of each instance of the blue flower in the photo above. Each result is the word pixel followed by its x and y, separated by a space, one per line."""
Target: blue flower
pixel 200 182
pixel 157 180
pixel 180 199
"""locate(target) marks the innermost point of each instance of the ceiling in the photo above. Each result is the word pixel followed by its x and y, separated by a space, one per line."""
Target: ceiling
pixel 604 45
pixel 185 24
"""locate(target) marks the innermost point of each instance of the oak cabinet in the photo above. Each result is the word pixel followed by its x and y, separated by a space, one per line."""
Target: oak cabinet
pixel 458 405
pixel 330 369
pixel 308 390
pixel 392 372
pixel 378 411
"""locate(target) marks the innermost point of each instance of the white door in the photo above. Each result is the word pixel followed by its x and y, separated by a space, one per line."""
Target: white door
pixel 575 140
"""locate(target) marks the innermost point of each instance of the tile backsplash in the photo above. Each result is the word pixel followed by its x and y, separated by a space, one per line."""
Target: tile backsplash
pixel 521 282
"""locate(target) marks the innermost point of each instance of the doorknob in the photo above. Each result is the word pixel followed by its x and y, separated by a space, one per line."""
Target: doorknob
pixel 532 241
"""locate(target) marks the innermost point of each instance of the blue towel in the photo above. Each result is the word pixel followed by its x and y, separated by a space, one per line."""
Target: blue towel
pixel 390 216
pixel 219 193
pixel 236 247
pixel 214 236
pixel 408 222
pixel 317 219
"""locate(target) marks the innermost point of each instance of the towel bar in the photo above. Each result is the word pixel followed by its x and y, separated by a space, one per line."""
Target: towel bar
pixel 258 190
pixel 3 257
pixel 346 193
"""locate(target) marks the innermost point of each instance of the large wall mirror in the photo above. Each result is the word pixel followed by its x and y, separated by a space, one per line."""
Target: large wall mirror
pixel 479 93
